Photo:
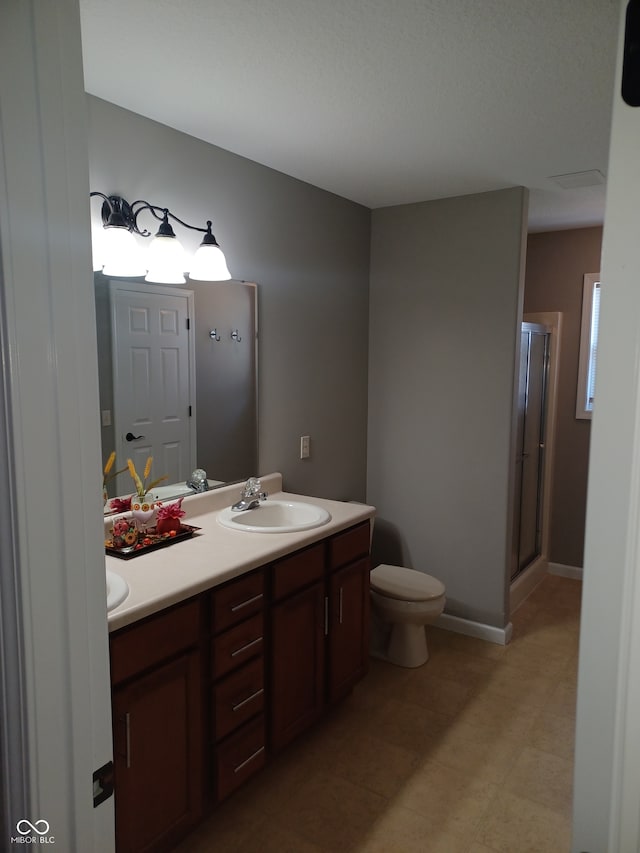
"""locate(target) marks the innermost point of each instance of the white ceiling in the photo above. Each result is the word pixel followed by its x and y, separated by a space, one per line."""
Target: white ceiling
pixel 380 101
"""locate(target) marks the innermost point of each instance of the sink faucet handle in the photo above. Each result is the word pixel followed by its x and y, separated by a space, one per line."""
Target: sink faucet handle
pixel 251 488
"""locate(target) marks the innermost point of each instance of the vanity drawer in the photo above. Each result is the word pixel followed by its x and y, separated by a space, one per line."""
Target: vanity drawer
pixel 349 546
pixel 237 600
pixel 147 643
pixel 238 697
pixel 297 571
pixel 237 645
pixel 240 757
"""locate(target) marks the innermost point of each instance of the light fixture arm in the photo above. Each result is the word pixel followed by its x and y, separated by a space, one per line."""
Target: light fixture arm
pixel 126 215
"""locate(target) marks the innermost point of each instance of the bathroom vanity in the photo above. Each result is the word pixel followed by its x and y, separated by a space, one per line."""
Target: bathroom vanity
pixel 229 646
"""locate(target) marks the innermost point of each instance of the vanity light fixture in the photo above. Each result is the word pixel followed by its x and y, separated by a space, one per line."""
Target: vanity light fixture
pixel 166 260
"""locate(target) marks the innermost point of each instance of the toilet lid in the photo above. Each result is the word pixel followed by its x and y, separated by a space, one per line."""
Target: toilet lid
pixel 405 584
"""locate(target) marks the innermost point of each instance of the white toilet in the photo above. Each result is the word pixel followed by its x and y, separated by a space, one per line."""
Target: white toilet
pixel 403 602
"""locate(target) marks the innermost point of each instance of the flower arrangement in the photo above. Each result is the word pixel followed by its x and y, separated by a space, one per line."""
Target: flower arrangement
pixel 107 474
pixel 120 504
pixel 124 534
pixel 141 484
pixel 173 510
pixel 168 517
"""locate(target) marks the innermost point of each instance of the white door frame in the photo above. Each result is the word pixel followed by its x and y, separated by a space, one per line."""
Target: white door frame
pixel 607 764
pixel 54 627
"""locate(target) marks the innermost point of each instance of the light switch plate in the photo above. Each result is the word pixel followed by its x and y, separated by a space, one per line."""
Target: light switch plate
pixel 305 447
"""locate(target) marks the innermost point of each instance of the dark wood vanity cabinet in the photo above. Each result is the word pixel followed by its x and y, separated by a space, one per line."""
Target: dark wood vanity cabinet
pixel 205 691
pixel 319 630
pixel 238 696
pixel 156 673
pixel 298 647
pixel 349 566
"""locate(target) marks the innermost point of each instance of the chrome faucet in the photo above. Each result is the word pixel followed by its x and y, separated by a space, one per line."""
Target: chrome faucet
pixel 198 481
pixel 250 496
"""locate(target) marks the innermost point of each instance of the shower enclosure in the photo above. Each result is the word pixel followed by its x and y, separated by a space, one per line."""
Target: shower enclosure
pixel 530 446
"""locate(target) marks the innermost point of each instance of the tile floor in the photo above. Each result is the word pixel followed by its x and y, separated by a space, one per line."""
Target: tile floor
pixel 471 753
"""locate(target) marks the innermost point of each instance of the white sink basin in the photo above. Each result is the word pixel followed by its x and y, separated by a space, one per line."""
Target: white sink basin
pixel 165 493
pixel 275 517
pixel 117 590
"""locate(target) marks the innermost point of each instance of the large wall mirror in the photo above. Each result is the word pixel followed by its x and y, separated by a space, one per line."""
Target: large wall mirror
pixel 178 378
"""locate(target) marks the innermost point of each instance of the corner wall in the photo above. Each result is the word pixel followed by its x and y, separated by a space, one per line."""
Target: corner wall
pixel 445 309
pixel 556 263
pixel 307 249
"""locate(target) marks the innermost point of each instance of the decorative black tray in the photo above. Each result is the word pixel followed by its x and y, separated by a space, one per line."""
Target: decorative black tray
pixel 155 541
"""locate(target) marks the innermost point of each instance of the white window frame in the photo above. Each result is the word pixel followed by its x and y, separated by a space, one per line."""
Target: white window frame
pixel 588 345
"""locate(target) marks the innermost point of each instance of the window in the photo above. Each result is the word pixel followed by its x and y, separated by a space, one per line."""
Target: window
pixel 588 345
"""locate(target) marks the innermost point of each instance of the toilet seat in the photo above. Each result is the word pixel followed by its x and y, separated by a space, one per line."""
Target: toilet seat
pixel 405 584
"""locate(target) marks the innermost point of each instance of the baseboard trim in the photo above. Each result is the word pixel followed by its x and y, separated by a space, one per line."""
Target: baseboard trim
pixel 500 636
pixel 526 582
pixel 575 572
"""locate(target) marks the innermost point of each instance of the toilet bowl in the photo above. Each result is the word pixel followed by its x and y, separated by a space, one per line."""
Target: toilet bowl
pixel 403 602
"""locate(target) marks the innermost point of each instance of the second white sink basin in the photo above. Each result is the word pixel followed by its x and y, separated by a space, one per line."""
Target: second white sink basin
pixel 275 517
pixel 117 590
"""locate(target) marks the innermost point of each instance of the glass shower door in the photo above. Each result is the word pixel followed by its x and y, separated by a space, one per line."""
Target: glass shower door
pixel 534 366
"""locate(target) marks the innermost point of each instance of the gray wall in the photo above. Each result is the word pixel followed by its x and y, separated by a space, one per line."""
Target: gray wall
pixel 307 249
pixel 445 308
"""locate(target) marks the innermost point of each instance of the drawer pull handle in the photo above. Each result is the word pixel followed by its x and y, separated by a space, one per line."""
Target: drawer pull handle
pixel 247 700
pixel 246 647
pixel 340 607
pixel 246 603
pixel 326 616
pixel 247 760
pixel 127 726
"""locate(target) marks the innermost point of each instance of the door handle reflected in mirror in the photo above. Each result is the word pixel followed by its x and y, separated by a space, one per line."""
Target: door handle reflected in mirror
pixel 131 437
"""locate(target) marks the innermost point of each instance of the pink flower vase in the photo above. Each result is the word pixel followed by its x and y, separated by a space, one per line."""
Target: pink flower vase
pixel 169 518
pixel 143 509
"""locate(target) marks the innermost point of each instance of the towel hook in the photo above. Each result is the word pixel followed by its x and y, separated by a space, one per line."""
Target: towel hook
pixel 236 336
pixel 213 334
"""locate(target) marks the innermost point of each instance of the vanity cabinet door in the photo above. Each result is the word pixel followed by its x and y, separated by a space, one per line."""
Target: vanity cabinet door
pixel 348 639
pixel 158 746
pixel 297 663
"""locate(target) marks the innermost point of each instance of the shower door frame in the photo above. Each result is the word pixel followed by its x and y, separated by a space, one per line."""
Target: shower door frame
pixel 522 584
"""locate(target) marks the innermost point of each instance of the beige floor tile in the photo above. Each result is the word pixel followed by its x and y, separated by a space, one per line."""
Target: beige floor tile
pixel 385 677
pixel 528 657
pixel 562 699
pixel 510 717
pixel 464 644
pixel 274 839
pixel 517 825
pixel 547 779
pixel 330 812
pixel 517 684
pixel 554 733
pixel 480 848
pixel 440 695
pixel 270 790
pixel 483 754
pixel 374 764
pixel 453 801
pixel 400 830
pixel 228 827
pixel 463 668
pixel 410 726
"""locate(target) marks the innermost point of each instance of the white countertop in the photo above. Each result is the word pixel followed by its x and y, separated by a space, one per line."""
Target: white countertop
pixel 215 554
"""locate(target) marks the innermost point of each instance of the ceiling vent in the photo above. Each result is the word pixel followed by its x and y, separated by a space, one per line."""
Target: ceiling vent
pixel 574 180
